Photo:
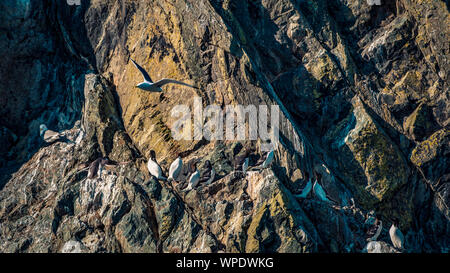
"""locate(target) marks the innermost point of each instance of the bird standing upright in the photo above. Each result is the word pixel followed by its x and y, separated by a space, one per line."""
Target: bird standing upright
pixel 318 190
pixel 208 173
pixel 245 165
pixel 374 231
pixel 96 167
pixel 154 168
pixel 194 178
pixel 175 168
pixel 268 160
pixel 396 235
pixel 307 188
pixel 241 160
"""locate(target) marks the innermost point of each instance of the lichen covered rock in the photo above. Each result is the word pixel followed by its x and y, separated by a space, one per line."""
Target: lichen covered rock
pixel 363 97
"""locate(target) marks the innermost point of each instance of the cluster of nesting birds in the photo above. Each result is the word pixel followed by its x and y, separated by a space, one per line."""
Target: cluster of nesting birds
pixel 396 235
pixel 375 223
pixel 207 175
pixel 193 176
pixel 318 190
pixel 95 167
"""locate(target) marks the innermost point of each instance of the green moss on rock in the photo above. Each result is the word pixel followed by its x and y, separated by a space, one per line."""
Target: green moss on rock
pixel 373 165
pixel 428 149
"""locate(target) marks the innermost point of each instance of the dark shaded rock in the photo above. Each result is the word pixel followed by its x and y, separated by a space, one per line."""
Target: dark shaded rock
pixel 363 97
pixel 420 124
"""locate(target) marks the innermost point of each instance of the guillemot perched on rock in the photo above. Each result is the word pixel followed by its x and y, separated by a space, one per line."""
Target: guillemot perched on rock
pixel 265 160
pixel 208 173
pixel 268 160
pixel 396 235
pixel 150 86
pixel 374 230
pixel 319 191
pixel 194 178
pixel 175 168
pixel 267 155
pixel 245 165
pixel 307 188
pixel 185 173
pixel 154 168
pixel 96 167
pixel 241 160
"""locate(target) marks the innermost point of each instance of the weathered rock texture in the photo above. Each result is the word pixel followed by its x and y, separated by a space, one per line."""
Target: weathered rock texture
pixel 364 98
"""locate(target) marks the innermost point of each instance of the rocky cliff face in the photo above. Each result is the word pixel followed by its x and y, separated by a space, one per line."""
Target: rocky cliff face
pixel 364 98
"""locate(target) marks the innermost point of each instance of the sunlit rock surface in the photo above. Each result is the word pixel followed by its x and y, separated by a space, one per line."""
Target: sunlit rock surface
pixel 364 99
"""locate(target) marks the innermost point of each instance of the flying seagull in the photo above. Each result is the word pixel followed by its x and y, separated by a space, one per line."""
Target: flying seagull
pixel 148 85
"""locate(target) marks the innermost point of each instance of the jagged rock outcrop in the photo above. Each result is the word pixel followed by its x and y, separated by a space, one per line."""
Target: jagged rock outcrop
pixel 364 99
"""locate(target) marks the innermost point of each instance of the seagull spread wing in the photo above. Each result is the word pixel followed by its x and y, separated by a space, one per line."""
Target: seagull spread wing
pixel 144 73
pixel 166 81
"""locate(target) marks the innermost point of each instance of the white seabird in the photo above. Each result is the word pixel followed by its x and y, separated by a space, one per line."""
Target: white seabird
pixel 175 168
pixel 194 178
pixel 268 160
pixel 154 168
pixel 262 159
pixel 320 192
pixel 245 165
pixel 150 86
pixel 305 190
pixel 49 136
pixel 374 231
pixel 241 160
pixel 396 235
